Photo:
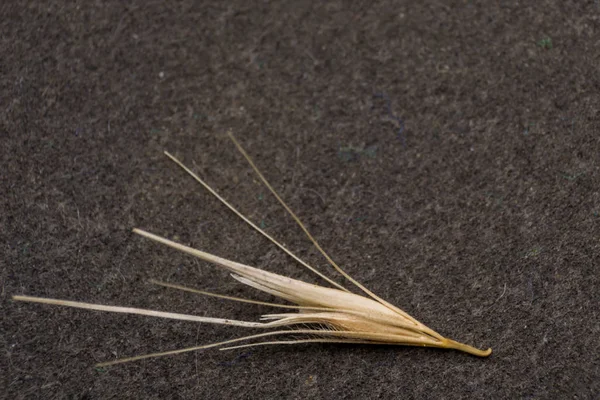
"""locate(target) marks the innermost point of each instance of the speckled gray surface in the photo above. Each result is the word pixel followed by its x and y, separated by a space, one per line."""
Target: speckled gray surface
pixel 445 153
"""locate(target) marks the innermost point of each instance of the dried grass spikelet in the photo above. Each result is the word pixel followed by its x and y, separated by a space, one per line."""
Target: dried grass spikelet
pixel 333 314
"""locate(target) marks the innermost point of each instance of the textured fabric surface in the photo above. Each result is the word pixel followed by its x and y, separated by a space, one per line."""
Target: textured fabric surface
pixel 444 152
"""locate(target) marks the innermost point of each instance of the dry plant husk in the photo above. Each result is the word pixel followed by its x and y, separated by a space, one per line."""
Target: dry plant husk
pixel 324 314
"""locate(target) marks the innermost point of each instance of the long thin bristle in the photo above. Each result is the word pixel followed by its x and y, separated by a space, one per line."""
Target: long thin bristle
pixel 310 236
pixel 140 311
pixel 252 224
pixel 207 346
pixel 301 341
pixel 225 297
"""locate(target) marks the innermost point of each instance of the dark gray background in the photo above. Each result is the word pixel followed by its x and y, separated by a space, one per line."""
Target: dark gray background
pixel 445 153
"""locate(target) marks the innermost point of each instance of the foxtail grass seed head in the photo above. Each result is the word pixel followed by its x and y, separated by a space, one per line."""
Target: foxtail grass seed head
pixel 332 314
